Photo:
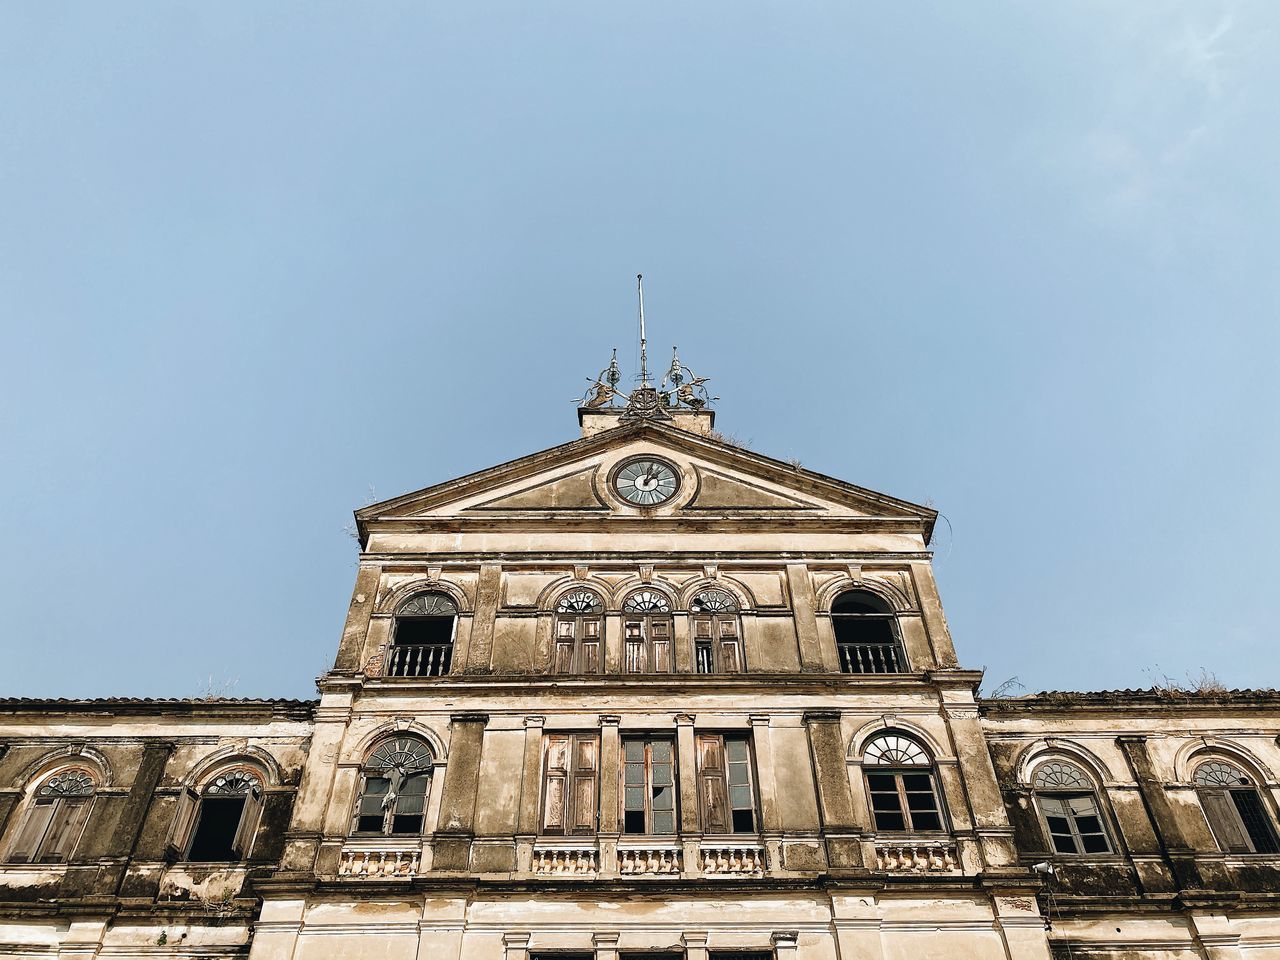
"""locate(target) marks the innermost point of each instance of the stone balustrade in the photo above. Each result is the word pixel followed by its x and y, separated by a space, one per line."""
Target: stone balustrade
pixel 929 856
pixel 370 862
pixel 732 859
pixel 563 860
pixel 651 860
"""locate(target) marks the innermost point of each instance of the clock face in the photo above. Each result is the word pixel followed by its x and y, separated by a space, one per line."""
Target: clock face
pixel 646 482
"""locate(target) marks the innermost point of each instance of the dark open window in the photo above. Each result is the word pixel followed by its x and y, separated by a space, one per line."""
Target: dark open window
pixel 395 783
pixel 422 642
pixel 55 818
pixel 224 817
pixel 579 629
pixel 726 784
pixel 717 647
pixel 646 633
pixel 1069 809
pixel 900 785
pixel 648 786
pixel 866 635
pixel 1235 811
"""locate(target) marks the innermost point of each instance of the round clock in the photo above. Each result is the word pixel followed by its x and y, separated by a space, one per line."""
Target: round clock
pixel 646 482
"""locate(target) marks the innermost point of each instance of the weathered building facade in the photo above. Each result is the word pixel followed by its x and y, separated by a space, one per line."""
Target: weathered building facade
pixel 645 693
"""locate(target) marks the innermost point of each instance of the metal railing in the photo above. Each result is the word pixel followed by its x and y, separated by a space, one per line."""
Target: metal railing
pixel 870 658
pixel 427 660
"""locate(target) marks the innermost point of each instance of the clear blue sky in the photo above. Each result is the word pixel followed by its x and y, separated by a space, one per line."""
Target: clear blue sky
pixel 1017 260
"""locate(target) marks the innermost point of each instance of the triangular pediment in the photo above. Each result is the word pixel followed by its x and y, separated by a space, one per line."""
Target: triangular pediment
pixel 578 479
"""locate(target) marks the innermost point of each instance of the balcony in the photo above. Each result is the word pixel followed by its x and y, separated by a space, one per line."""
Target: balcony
pixel 380 860
pixel 870 658
pixel 419 660
pixel 917 856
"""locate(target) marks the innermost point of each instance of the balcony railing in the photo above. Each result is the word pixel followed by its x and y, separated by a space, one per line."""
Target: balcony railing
pixel 923 856
pixel 652 860
pixel 428 660
pixel 565 860
pixel 379 861
pixel 870 658
pixel 732 859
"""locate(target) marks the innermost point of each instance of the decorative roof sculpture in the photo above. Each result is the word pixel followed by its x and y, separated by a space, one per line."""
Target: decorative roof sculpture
pixel 680 388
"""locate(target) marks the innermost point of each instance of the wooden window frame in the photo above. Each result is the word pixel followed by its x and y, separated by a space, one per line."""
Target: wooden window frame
pixel 581 624
pixel 395 779
pixel 904 808
pixel 570 777
pixel 1228 807
pixel 246 826
pixel 52 826
pixel 714 784
pixel 647 786
pixel 653 663
pixel 1077 836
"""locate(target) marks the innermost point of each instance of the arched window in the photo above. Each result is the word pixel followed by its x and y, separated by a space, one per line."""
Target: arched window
pixel 716 644
pixel 394 786
pixel 900 784
pixel 866 637
pixel 217 822
pixel 1069 811
pixel 1234 808
pixel 55 817
pixel 578 633
pixel 423 642
pixel 646 632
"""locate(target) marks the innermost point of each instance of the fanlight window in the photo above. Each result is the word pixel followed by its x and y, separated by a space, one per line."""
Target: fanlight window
pixel 646 601
pixel 900 785
pixel 1069 809
pixel 423 641
pixel 219 822
pixel 1060 775
pixel 717 645
pixel 579 629
pixel 1234 808
pixel 894 751
pixel 394 787
pixel 1219 773
pixel 646 633
pixel 866 638
pixel 713 601
pixel 55 819
pixel 580 601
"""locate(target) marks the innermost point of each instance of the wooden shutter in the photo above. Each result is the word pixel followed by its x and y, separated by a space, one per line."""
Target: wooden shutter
pixel 633 632
pixel 660 640
pixel 33 829
pixel 242 845
pixel 585 765
pixel 565 641
pixel 1222 817
pixel 555 784
pixel 730 656
pixel 715 800
pixel 590 646
pixel 65 828
pixel 180 835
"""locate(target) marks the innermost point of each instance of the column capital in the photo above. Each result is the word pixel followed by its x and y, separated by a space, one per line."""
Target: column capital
pixel 469 717
pixel 684 719
pixel 758 719
pixel 609 719
pixel 534 721
pixel 515 939
pixel 785 938
pixel 694 938
pixel 822 716
pixel 606 939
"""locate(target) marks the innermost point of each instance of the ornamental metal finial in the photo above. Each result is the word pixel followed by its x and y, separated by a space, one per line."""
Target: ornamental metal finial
pixel 680 389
